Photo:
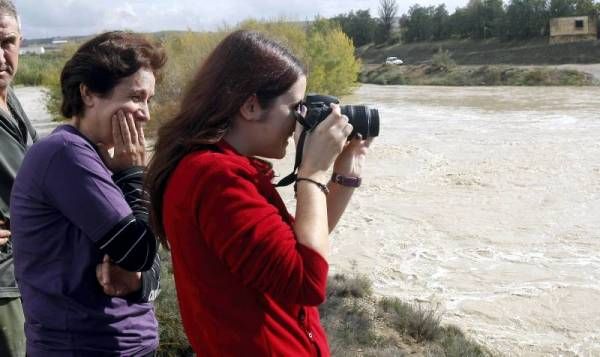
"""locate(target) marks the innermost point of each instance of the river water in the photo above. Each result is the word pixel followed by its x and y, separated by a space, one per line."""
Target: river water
pixel 33 100
pixel 483 202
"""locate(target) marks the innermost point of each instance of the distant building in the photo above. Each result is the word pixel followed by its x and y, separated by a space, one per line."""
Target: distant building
pixel 571 29
pixel 32 50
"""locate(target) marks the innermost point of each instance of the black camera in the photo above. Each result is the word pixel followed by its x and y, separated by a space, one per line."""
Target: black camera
pixel 364 120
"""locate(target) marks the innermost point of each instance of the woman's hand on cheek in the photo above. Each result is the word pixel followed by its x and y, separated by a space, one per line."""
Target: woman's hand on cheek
pixel 129 143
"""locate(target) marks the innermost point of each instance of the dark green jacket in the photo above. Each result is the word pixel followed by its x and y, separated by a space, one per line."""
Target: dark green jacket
pixel 16 135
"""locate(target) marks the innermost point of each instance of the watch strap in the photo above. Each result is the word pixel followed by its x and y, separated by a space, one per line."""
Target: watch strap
pixel 347 181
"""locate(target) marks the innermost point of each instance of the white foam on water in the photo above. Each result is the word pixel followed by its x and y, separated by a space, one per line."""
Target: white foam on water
pixel 486 201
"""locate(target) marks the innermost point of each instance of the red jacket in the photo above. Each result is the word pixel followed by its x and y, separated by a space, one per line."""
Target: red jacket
pixel 246 287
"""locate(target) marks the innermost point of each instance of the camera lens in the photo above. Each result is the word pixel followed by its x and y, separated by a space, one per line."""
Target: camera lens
pixel 364 120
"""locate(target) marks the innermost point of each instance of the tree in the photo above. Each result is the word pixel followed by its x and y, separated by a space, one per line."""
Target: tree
pixel 387 13
pixel 484 18
pixel 526 19
pixel 359 26
pixel 494 14
pixel 418 26
pixel 561 8
pixel 439 23
pixel 333 68
pixel 459 25
pixel 585 8
pixel 477 21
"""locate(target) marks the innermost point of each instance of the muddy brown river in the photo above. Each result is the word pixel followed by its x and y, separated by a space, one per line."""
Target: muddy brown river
pixel 484 203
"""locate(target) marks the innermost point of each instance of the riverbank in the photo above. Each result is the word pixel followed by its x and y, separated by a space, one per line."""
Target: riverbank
pixel 536 52
pixel 487 75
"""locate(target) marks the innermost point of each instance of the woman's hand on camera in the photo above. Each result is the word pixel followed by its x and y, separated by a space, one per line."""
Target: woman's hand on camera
pixel 325 143
pixel 351 161
pixel 129 143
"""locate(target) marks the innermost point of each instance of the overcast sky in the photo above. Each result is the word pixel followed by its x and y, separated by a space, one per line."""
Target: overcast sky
pixel 50 18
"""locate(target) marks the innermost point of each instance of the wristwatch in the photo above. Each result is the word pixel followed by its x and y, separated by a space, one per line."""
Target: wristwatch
pixel 347 181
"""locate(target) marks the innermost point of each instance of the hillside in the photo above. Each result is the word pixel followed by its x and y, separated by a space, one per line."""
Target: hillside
pixel 488 52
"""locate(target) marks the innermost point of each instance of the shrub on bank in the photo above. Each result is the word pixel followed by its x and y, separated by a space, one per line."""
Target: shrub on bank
pixel 442 61
pixel 475 76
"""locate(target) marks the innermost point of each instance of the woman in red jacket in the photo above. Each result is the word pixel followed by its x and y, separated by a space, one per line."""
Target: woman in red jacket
pixel 249 276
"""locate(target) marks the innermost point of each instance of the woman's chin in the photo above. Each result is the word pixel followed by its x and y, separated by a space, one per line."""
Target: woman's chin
pixel 283 150
pixel 280 155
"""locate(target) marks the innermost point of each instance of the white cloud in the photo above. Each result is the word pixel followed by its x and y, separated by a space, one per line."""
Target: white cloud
pixel 48 18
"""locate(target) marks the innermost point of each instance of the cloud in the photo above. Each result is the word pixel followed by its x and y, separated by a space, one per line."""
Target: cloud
pixel 49 18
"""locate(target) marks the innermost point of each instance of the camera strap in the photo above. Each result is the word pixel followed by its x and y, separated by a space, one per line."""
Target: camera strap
pixel 291 178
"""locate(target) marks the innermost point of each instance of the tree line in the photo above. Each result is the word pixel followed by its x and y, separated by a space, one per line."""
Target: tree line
pixel 479 19
pixel 326 50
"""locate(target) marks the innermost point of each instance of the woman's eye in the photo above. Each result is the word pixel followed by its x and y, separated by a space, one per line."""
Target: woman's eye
pixel 136 98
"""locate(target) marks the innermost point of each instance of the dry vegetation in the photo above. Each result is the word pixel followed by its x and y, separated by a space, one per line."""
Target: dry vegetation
pixel 357 322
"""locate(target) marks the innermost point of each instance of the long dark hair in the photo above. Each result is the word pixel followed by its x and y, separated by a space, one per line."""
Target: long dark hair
pixel 102 62
pixel 243 64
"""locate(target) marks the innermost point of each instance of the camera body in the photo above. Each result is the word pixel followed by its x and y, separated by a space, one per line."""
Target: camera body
pixel 363 119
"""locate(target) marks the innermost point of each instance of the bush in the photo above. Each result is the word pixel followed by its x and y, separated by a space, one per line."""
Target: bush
pixel 575 78
pixel 536 76
pixel 454 344
pixel 418 322
pixel 341 286
pixel 442 60
pixel 333 68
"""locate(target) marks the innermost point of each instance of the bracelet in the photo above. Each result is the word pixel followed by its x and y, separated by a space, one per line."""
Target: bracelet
pixel 322 187
pixel 347 181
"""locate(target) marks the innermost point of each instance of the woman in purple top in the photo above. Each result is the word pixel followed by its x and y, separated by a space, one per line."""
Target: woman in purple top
pixel 79 217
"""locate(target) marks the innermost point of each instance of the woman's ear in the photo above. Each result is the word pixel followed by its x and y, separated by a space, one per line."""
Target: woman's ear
pixel 251 109
pixel 86 95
